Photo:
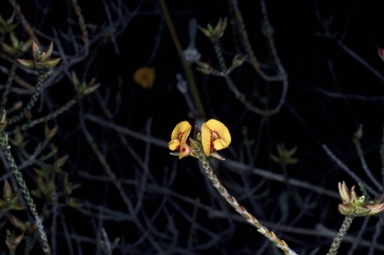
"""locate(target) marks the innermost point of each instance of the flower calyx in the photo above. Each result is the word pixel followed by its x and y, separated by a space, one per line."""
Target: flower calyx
pixel 7 26
pixel 356 205
pixel 41 59
pixel 17 48
pixel 284 156
pixel 83 89
pixel 215 33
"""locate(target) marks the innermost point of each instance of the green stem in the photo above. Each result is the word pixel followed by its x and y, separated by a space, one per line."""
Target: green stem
pixel 52 115
pixel 271 236
pixel 244 36
pixel 340 235
pixel 186 65
pixel 42 76
pixel 289 187
pixel 29 241
pixel 7 88
pixel 240 96
pixel 365 167
pixel 280 76
pixel 382 157
pixel 117 183
pixel 26 194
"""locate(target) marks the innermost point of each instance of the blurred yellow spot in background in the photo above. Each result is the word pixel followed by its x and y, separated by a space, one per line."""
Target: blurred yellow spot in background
pixel 145 77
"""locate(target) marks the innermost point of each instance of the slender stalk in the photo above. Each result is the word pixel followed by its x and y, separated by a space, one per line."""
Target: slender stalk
pixel 26 194
pixel 365 167
pixel 118 185
pixel 351 173
pixel 42 76
pixel 7 88
pixel 244 36
pixel 55 214
pixel 382 157
pixel 238 20
pixel 340 235
pixel 81 20
pixel 187 66
pixel 52 115
pixel 281 74
pixel 270 235
pixel 240 96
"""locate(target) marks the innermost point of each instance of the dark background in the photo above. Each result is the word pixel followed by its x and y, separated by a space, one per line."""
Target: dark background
pixel 336 83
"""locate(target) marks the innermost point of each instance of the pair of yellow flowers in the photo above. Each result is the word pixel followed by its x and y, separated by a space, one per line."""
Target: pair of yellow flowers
pixel 214 136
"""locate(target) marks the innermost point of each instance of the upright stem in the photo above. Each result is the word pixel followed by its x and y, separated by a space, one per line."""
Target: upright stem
pixel 186 65
pixel 382 157
pixel 26 194
pixel 240 96
pixel 7 89
pixel 340 235
pixel 365 167
pixel 241 210
pixel 42 75
pixel 281 74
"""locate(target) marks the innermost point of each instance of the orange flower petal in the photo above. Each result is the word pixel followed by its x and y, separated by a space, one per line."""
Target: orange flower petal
pixel 220 144
pixel 174 144
pixel 179 137
pixel 214 136
pixel 206 139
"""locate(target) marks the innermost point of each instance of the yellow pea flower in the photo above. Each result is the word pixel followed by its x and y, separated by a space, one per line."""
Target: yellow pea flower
pixel 179 138
pixel 214 136
pixel 145 77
